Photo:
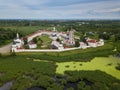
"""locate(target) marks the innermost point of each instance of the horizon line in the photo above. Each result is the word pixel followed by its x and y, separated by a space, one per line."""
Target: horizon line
pixel 54 19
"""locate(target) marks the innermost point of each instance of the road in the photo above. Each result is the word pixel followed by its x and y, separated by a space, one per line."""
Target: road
pixel 5 49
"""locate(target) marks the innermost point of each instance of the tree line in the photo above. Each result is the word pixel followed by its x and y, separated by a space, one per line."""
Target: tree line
pixel 6 35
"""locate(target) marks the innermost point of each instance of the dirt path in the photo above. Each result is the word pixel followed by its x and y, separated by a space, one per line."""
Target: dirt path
pixel 6 48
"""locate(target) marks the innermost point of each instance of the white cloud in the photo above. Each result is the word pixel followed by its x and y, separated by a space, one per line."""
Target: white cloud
pixel 108 10
pixel 38 9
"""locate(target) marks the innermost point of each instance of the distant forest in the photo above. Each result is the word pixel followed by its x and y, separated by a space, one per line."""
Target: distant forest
pixel 95 25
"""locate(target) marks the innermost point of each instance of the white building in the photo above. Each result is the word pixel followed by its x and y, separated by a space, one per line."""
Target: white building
pixel 92 42
pixel 17 43
pixel 57 44
pixel 83 45
pixel 101 42
pixel 71 37
pixel 32 45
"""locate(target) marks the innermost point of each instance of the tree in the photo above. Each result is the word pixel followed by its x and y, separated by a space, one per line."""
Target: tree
pixel 81 85
pixel 25 41
pixel 104 36
pixel 58 39
pixel 70 88
pixel 35 40
pixel 117 37
pixel 77 44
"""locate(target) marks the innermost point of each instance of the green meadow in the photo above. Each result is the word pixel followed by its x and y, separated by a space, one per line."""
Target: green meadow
pixel 105 64
pixel 46 41
pixel 25 30
pixel 84 69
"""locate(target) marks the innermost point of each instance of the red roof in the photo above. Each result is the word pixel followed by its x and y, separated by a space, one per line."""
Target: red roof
pixel 66 47
pixel 64 33
pixel 39 32
pixel 31 43
pixel 92 41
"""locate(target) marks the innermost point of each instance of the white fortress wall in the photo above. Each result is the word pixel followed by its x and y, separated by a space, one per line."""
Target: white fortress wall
pixel 39 34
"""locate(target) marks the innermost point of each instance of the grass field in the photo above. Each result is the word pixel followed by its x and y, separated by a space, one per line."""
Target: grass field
pixel 99 63
pixel 25 72
pixel 28 72
pixel 25 30
pixel 43 42
pixel 76 55
pixel 46 40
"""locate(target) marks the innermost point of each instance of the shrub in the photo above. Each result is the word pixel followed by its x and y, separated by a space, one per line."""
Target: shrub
pixel 0 55
pixel 118 67
pixel 70 88
pixel 67 66
pixel 109 64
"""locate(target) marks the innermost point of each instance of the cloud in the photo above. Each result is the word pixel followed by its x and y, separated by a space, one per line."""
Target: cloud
pixel 59 9
pixel 113 10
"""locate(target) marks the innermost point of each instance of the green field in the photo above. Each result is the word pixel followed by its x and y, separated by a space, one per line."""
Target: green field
pixel 29 69
pixel 88 69
pixel 99 63
pixel 25 30
pixel 76 55
pixel 27 72
pixel 46 39
pixel 43 41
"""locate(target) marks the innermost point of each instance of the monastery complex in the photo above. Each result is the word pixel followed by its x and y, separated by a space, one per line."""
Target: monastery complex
pixel 65 39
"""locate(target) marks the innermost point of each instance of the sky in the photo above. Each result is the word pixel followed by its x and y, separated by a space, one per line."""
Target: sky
pixel 59 9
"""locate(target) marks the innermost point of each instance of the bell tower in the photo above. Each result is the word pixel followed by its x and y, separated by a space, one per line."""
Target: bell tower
pixel 17 36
